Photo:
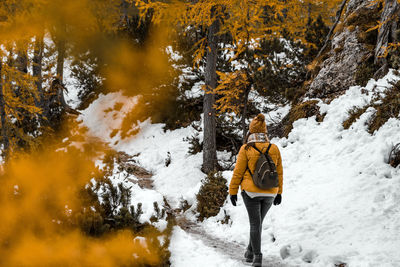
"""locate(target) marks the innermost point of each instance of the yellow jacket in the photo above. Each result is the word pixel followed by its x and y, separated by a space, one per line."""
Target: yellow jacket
pixel 250 156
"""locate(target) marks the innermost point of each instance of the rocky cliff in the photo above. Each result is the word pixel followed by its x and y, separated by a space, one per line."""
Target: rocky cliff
pixel 354 53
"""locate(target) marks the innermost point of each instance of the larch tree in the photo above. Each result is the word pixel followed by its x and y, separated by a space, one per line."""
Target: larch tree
pixel 247 22
pixel 27 61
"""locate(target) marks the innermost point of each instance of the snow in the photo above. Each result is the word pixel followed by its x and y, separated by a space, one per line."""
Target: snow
pixel 188 251
pixel 101 119
pixel 71 94
pixel 179 181
pixel 340 198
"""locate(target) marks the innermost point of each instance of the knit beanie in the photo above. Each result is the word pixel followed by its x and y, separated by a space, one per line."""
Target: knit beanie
pixel 257 125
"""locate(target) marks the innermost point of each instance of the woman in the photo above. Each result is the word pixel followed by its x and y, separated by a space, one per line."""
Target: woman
pixel 256 200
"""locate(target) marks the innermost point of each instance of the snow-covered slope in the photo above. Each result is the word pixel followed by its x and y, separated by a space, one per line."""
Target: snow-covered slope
pixel 340 198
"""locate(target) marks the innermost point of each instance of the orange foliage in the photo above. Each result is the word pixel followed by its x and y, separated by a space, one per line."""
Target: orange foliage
pixel 231 89
pixel 136 71
pixel 39 196
pixel 246 21
pixel 73 20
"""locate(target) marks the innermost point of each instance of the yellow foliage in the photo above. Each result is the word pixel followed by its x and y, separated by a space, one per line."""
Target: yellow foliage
pixel 23 19
pixel 231 90
pixel 137 71
pixel 246 21
pixel 39 196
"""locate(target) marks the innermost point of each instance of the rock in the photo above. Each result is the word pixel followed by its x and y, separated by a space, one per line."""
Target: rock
pixel 337 71
pixel 353 5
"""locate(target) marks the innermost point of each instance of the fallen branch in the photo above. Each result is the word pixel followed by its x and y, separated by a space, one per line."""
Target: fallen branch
pixel 337 19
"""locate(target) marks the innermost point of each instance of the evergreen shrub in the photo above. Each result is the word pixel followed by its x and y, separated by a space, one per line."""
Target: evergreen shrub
pixel 212 195
pixel 106 208
pixel 195 145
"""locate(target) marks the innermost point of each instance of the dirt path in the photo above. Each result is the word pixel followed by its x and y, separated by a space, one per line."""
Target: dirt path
pixel 232 249
pixel 129 164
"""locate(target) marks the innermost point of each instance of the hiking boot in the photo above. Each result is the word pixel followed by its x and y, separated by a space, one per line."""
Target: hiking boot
pixel 257 261
pixel 248 256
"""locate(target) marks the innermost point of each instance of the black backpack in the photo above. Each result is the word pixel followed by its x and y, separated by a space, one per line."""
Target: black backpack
pixel 265 175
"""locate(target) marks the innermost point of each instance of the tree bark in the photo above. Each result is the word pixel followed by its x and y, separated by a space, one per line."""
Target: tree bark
pixel 37 69
pixel 209 141
pixel 22 61
pixel 386 35
pixel 60 59
pixel 3 115
pixel 58 85
pixel 21 64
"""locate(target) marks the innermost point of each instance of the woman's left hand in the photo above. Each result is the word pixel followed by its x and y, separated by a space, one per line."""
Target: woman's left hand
pixel 278 199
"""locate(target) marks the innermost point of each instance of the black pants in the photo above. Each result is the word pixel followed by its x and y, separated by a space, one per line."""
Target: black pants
pixel 257 208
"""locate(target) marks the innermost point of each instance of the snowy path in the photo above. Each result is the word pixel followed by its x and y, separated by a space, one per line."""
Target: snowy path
pixel 230 250
pixel 189 235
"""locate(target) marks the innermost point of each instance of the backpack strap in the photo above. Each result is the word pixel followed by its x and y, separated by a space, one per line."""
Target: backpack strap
pixel 254 146
pixel 266 152
pixel 247 169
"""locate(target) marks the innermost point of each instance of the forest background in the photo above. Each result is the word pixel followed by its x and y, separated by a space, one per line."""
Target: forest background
pixel 234 52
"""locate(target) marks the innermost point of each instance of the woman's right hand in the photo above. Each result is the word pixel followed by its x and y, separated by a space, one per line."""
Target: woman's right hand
pixel 233 199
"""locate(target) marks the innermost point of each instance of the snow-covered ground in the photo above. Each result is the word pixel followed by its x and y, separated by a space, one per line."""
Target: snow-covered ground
pixel 340 198
pixel 189 251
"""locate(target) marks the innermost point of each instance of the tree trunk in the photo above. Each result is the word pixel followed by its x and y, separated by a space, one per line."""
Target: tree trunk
pixel 209 141
pixel 60 59
pixel 244 113
pixel 3 118
pixel 22 61
pixel 21 64
pixel 386 35
pixel 37 69
pixel 58 85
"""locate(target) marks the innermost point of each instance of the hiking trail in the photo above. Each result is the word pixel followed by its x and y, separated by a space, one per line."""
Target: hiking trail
pixel 233 250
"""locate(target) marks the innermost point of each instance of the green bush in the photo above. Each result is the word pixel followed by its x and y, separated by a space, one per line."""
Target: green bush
pixel 195 145
pixel 212 195
pixel 113 212
pixel 106 208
